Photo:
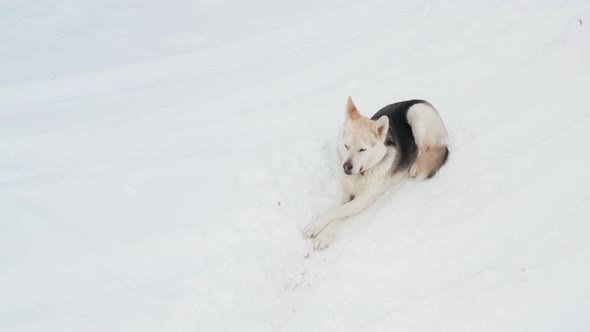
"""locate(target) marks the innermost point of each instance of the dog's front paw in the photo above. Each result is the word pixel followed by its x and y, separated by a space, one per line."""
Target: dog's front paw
pixel 314 228
pixel 324 239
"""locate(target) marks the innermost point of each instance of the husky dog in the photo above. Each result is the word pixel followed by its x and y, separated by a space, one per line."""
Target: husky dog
pixel 405 138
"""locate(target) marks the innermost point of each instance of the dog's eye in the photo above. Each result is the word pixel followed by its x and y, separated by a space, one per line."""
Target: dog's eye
pixel 346 146
pixel 361 150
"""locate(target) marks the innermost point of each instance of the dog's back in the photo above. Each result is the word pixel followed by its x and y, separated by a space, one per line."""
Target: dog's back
pixel 419 136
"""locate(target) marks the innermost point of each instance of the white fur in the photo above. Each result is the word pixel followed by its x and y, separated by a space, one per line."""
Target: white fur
pixel 365 187
pixel 428 130
pixel 353 140
pixel 427 126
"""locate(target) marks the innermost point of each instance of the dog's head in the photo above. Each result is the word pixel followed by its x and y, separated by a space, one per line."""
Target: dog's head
pixel 362 144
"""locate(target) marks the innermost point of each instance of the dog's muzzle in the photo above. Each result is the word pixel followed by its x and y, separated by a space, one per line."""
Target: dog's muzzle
pixel 347 167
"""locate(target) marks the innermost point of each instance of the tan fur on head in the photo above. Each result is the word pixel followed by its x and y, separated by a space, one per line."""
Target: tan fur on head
pixel 351 110
pixel 361 145
pixel 380 127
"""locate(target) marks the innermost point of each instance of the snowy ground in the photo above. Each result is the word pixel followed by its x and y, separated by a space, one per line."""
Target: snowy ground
pixel 158 161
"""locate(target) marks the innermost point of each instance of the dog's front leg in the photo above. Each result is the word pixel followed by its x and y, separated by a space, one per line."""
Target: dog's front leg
pixel 345 197
pixel 356 205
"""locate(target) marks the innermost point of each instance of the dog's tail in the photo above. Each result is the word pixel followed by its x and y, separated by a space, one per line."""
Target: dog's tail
pixel 431 138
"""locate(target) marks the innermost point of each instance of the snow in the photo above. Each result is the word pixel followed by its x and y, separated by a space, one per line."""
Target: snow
pixel 158 161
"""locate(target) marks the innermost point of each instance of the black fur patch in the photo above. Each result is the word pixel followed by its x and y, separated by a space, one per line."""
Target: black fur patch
pixel 400 133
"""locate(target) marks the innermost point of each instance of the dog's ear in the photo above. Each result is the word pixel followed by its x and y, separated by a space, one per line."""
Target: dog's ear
pixel 380 127
pixel 351 110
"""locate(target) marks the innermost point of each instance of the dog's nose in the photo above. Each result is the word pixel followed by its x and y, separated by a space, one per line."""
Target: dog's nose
pixel 347 167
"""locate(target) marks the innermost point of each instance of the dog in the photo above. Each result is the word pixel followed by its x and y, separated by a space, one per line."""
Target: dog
pixel 407 138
